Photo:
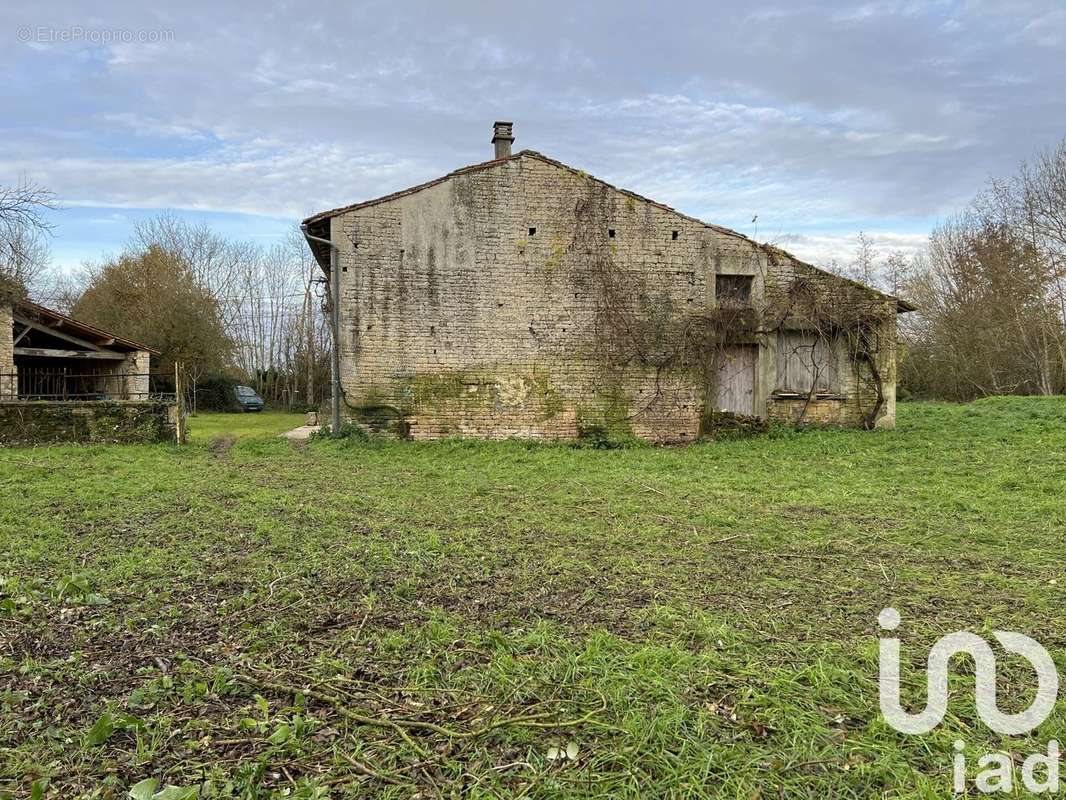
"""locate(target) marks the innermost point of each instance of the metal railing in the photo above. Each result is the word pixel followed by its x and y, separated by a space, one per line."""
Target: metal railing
pixel 62 384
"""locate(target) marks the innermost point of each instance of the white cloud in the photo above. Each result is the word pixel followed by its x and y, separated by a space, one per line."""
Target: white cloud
pixel 824 249
pixel 890 114
pixel 142 125
pixel 253 180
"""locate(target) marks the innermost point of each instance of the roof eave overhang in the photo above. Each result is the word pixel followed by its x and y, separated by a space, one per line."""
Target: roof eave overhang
pixel 318 227
pixel 52 318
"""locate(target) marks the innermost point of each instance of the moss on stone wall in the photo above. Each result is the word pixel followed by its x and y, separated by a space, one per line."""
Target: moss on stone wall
pixel 462 397
pixel 608 413
pixel 118 422
pixel 549 397
pixel 430 389
pixel 556 253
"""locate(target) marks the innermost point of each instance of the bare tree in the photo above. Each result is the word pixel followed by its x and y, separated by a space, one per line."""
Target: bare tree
pixel 213 260
pixel 990 292
pixel 24 229
pixel 895 272
pixel 863 268
pixel 271 333
pixel 277 322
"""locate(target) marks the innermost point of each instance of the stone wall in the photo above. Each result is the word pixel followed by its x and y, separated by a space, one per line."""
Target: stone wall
pixel 99 421
pixel 8 383
pixel 136 367
pixel 470 307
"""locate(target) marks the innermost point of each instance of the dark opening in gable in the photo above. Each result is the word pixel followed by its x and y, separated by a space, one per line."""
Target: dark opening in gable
pixel 733 291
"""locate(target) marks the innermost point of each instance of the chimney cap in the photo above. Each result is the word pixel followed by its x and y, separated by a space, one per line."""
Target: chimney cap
pixel 502 129
pixel 502 136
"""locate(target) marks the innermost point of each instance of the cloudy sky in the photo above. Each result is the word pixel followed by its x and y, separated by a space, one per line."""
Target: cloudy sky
pixel 821 118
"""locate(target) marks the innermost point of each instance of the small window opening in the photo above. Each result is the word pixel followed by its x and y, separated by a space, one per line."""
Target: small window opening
pixel 673 235
pixel 610 233
pixel 532 231
pixel 733 291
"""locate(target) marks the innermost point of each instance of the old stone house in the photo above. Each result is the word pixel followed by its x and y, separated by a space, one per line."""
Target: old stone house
pixel 523 297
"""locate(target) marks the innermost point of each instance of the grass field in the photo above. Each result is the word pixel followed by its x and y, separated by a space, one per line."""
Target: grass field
pixel 224 428
pixel 250 618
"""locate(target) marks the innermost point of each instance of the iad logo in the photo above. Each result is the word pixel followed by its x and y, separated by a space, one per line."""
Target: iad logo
pixel 985 664
pixel 994 779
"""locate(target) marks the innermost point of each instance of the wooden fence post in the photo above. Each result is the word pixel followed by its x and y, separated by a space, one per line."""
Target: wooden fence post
pixel 179 396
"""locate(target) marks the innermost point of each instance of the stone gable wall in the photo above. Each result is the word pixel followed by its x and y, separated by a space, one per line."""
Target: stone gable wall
pixel 469 308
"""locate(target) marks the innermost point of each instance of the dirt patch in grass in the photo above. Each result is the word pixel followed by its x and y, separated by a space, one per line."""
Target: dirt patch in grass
pixel 220 445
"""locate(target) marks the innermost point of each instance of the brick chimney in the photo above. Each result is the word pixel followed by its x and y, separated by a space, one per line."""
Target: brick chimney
pixel 502 138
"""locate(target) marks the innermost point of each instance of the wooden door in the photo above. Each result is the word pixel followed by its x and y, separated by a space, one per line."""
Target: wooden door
pixel 735 380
